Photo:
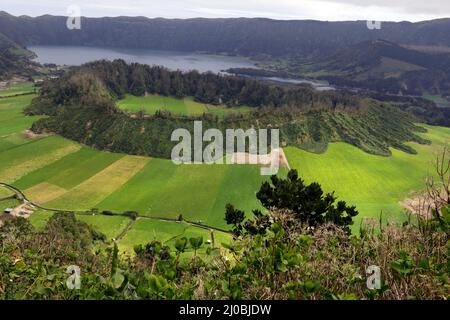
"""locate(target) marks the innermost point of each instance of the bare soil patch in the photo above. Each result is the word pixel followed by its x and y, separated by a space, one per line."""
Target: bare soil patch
pixel 263 160
pixel 420 204
pixel 31 135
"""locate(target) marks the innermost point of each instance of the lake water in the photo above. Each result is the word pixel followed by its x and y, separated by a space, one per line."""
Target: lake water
pixel 77 55
pixel 74 56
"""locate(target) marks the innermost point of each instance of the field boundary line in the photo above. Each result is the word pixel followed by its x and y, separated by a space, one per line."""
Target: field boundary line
pixel 126 229
pixel 80 212
pixel 17 95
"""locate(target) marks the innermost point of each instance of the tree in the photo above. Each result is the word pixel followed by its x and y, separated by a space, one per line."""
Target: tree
pixel 196 243
pixel 308 202
pixel 234 217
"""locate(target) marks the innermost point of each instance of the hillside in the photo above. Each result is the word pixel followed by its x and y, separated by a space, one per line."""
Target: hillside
pixel 14 59
pixel 384 67
pixel 116 248
pixel 251 37
pixel 381 58
pixel 66 175
pixel 83 109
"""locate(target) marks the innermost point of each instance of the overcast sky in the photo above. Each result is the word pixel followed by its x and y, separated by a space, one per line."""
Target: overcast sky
pixel 383 10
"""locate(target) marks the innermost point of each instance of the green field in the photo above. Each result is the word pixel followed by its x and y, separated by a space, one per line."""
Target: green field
pixel 39 218
pixel 17 89
pixel 147 230
pixel 110 226
pixel 9 203
pixel 372 183
pixel 12 121
pixel 198 192
pixel 61 174
pixel 149 104
pixel 4 192
pixel 141 232
pixel 439 100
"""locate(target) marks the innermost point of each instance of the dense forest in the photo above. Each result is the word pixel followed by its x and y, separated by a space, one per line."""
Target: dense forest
pixel 120 78
pixel 82 108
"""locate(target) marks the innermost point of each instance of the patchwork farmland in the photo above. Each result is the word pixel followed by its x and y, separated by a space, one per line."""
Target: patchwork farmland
pixel 58 173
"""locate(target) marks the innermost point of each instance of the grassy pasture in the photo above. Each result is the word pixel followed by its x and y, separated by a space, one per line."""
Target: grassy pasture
pixel 372 183
pixel 198 192
pixel 142 231
pixel 9 203
pixel 5 192
pixel 90 192
pixel 12 141
pixel 12 120
pixel 439 100
pixel 147 230
pixel 22 88
pixel 70 170
pixel 23 159
pixel 63 174
pixel 111 226
pixel 187 106
pixel 39 218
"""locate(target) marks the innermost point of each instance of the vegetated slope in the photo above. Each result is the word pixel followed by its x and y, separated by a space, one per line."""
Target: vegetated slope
pixel 82 108
pixel 11 118
pixel 59 173
pixel 372 183
pixel 14 59
pixel 162 189
pixel 322 263
pixel 386 67
pixel 235 36
pixel 360 59
pixel 22 88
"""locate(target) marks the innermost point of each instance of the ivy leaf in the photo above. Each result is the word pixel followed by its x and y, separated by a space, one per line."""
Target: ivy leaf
pixel 180 244
pixel 117 280
pixel 196 242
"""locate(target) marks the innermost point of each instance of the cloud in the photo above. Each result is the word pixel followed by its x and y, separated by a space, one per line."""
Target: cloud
pixel 413 6
pixel 413 10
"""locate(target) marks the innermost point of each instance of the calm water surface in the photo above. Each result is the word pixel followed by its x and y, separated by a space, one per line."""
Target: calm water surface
pixel 77 55
pixel 74 56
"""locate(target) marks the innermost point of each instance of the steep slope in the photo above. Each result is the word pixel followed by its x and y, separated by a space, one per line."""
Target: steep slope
pixel 380 58
pixel 14 59
pixel 385 67
pixel 234 36
pixel 81 108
